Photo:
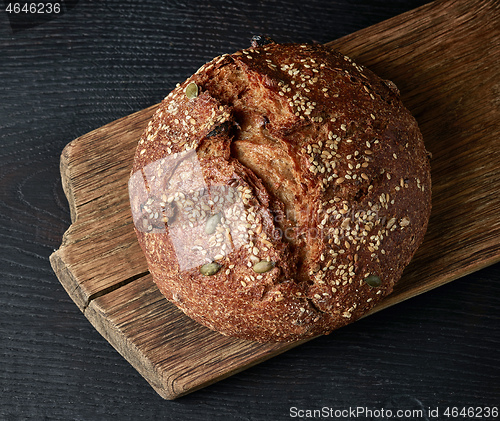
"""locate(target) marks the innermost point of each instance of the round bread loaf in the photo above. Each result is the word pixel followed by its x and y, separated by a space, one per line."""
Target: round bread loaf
pixel 279 192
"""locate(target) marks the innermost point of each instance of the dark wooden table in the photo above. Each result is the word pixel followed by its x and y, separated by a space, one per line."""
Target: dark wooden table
pixel 64 75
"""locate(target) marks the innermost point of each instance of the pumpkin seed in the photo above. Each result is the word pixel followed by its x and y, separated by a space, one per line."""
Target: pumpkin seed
pixel 212 222
pixel 263 266
pixel 191 90
pixel 210 269
pixel 373 281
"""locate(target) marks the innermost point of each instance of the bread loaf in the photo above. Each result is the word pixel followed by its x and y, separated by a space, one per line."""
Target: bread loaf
pixel 279 192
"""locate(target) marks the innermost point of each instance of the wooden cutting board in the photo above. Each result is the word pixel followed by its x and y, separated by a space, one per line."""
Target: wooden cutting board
pixel 444 57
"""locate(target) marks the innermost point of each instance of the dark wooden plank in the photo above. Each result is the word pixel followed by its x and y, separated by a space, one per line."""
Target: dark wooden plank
pixel 104 60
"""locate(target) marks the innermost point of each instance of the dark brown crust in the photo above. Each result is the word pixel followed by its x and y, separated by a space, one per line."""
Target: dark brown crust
pixel 313 145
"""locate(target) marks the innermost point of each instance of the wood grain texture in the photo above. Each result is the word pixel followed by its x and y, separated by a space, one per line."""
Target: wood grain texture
pixel 452 90
pixel 104 60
